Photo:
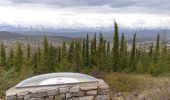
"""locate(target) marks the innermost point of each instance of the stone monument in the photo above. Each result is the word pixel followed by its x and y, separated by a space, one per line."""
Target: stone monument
pixel 60 86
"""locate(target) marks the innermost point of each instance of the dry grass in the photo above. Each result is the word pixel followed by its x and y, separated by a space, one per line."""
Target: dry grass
pixel 138 87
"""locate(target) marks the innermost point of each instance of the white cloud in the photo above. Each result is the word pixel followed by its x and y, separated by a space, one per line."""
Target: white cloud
pixel 81 16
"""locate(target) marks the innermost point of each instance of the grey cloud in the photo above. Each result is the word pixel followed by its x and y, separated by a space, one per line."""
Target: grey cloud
pixel 113 3
pixel 155 6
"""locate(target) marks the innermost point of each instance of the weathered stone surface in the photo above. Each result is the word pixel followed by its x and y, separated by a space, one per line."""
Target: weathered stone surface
pixel 52 97
pixel 52 92
pixel 20 97
pixel 92 92
pixel 39 94
pixel 27 97
pixel 68 95
pixel 37 99
pixel 88 88
pixel 102 97
pixel 78 94
pixel 86 98
pixel 12 97
pixel 75 89
pixel 60 97
pixel 22 93
pixel 103 87
pixel 64 89
pixel 103 92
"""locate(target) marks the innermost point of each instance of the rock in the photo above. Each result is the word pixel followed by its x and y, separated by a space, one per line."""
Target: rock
pixel 88 88
pixel 103 92
pixel 11 97
pixel 52 92
pixel 22 93
pixel 78 94
pixel 86 98
pixel 27 97
pixel 64 89
pixel 92 92
pixel 142 97
pixel 68 95
pixel 103 87
pixel 102 97
pixel 58 97
pixel 75 89
pixel 119 94
pixel 39 94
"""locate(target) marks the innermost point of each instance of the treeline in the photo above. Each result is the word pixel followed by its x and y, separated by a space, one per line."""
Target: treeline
pixel 82 56
pixel 78 56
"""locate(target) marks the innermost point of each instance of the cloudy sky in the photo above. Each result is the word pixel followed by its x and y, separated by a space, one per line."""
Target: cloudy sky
pixel 87 13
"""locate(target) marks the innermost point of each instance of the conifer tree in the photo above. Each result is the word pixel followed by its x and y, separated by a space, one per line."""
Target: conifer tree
pixel 122 45
pixel 10 59
pixel 87 51
pixel 108 48
pixel 95 42
pixel 59 54
pixel 46 46
pixel 122 56
pixel 151 50
pixel 3 55
pixel 126 49
pixel 93 51
pixel 78 58
pixel 84 52
pixel 133 54
pixel 39 53
pixel 115 47
pixel 28 51
pixel 156 56
pixel 11 55
pixel 35 62
pixel 64 49
pixel 71 52
pixel 18 57
pixel 100 51
pixel 164 49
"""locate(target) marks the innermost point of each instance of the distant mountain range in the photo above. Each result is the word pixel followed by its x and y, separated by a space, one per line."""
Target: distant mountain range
pixel 79 32
pixel 4 35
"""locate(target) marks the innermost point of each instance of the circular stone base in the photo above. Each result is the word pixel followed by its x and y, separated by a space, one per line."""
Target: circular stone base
pixel 79 91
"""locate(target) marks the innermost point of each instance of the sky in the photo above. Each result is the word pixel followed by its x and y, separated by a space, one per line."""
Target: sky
pixel 87 13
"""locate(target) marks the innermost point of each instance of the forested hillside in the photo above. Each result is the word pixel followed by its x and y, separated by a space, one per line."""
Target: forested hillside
pixel 87 56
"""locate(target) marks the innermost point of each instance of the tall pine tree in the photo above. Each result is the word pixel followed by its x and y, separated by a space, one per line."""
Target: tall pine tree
pixel 115 47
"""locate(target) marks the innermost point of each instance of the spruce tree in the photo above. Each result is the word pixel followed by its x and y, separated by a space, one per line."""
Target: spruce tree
pixel 35 62
pixel 157 49
pixel 18 57
pixel 95 42
pixel 122 45
pixel 71 52
pixel 108 48
pixel 122 56
pixel 64 49
pixel 78 57
pixel 39 53
pixel 28 51
pixel 84 52
pixel 10 59
pixel 151 50
pixel 46 46
pixel 11 55
pixel 133 54
pixel 100 51
pixel 115 47
pixel 87 61
pixel 3 55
